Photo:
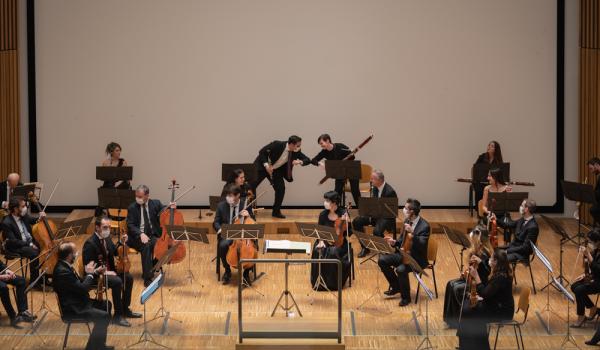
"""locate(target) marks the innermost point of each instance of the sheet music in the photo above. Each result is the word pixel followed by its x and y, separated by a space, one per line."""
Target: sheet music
pixel 287 245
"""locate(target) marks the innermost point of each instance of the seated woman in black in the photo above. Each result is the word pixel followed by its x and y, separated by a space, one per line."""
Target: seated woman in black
pixel 329 250
pixel 589 282
pixel 455 289
pixel 495 303
pixel 113 158
pixel 238 178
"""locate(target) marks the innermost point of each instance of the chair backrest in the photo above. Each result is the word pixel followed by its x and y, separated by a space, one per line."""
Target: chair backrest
pixel 432 248
pixel 114 213
pixel 523 303
pixel 60 311
pixel 365 173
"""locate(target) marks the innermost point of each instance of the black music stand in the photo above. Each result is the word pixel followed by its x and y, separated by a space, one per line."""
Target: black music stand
pixel 73 228
pixel 343 170
pixel 23 191
pixel 189 234
pixel 249 169
pixel 582 193
pixel 323 233
pixel 564 238
pixel 426 342
pixel 458 238
pixel 162 312
pixel 147 293
pixel 254 232
pixel 114 173
pixel 548 308
pixel 378 208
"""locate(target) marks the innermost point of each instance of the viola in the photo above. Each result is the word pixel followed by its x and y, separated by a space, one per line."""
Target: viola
pixel 122 263
pixel 170 217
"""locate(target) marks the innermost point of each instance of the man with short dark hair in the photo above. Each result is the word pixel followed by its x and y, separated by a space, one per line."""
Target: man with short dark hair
pixel 526 232
pixel 275 162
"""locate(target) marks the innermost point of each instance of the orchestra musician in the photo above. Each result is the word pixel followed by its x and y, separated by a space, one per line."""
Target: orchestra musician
pixel 494 303
pixel 238 178
pixel 227 212
pixel 336 151
pixel 101 250
pixel 72 291
pixel 18 238
pixel 392 265
pixel 526 231
pixel 332 213
pixel 275 161
pixel 8 277
pixel 496 185
pixel 113 158
pixel 594 167
pixel 7 187
pixel 143 227
pixel 589 282
pixel 380 189
pixel 493 157
pixel 455 289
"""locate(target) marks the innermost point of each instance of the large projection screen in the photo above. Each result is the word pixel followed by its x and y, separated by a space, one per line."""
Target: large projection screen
pixel 185 85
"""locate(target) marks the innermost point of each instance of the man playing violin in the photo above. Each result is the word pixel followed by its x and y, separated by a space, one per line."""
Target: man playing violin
pixel 100 250
pixel 227 212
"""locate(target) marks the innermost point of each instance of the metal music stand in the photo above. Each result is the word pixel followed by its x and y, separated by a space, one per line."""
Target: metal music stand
pixel 254 232
pixel 162 312
pixel 23 191
pixel 189 234
pixel 425 344
pixel 250 171
pixel 115 198
pixel 459 238
pixel 570 299
pixel 146 336
pixel 343 170
pixel 73 228
pixel 564 238
pixel 548 309
pixel 323 233
pixel 582 193
pixel 380 246
pixel 114 173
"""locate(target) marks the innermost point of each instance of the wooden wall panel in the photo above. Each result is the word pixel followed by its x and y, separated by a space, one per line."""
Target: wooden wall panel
pixel 9 89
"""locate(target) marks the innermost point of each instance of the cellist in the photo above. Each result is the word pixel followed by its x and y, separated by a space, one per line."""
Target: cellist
pixel 100 249
pixel 143 225
pixel 227 211
pixel 18 235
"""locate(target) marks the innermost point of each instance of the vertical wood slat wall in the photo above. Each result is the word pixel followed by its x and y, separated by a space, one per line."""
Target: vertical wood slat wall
pixel 9 89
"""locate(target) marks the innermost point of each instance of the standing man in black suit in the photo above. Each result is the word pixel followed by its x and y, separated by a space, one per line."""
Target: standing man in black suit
pixel 227 212
pixel 275 161
pixel 7 187
pixel 72 291
pixel 379 189
pixel 18 237
pixel 391 265
pixel 101 250
pixel 526 232
pixel 594 167
pixel 143 226
pixel 336 151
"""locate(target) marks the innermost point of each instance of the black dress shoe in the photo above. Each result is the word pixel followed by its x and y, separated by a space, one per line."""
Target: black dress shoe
pixel 147 283
pixel 364 252
pixel 278 215
pixel 391 292
pixel 120 321
pixel 131 314
pixel 404 302
pixel 14 322
pixel 247 278
pixel 108 347
pixel 26 316
pixel 591 342
pixel 227 278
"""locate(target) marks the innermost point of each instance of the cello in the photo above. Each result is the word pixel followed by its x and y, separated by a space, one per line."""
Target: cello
pixel 243 248
pixel 170 216
pixel 43 233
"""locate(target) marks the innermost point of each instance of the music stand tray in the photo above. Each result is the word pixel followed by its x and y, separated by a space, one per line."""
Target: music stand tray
pixel 383 207
pixel 23 191
pixel 324 233
pixel 114 173
pixel 73 228
pixel 507 201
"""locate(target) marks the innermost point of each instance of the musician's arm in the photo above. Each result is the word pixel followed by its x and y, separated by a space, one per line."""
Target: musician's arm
pixel 301 156
pixel 263 154
pixel 133 222
pixel 217 222
pixel 315 161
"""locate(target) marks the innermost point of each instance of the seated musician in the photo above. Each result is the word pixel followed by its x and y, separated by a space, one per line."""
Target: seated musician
pixel 8 277
pixel 328 250
pixel 494 303
pixel 594 167
pixel 526 231
pixel 7 187
pixel 18 238
pixel 73 294
pixel 379 189
pixel 589 282
pixel 496 185
pixel 455 289
pixel 228 211
pixel 101 250
pixel 143 226
pixel 238 178
pixel 392 266
pixel 113 158
pixel 492 156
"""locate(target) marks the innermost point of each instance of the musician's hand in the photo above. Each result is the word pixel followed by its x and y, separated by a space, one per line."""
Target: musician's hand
pixel 322 164
pixel 100 270
pixel 579 278
pixel 244 213
pixel 582 249
pixel 124 238
pixel 390 240
pixel 269 169
pixel 118 183
pixel 144 238
pixel 408 228
pixel 90 267
pixel 173 205
pixel 321 244
pixel 42 214
pixel 491 216
pixel 5 277
pixel 345 217
pixel 475 259
pixel 473 272
pixel 111 273
pixel 297 162
pixel 508 188
pixel 5 205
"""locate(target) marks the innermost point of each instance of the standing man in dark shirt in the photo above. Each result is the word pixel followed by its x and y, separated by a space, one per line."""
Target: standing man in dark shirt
pixel 594 166
pixel 336 151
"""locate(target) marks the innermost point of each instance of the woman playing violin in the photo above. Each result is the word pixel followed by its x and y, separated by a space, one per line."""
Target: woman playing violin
pixel 496 185
pixel 589 282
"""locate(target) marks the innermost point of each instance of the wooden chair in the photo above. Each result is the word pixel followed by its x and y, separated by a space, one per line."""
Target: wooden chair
pixel 525 262
pixel 69 321
pixel 364 181
pixel 8 256
pixel 432 249
pixel 523 306
pixel 117 219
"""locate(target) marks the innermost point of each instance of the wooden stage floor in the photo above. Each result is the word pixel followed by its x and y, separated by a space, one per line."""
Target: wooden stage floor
pixel 204 312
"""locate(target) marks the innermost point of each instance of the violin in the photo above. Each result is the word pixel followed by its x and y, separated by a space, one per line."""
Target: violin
pixel 242 248
pixel 341 227
pixel 170 217
pixel 406 241
pixel 43 233
pixel 492 227
pixel 122 263
pixel 101 287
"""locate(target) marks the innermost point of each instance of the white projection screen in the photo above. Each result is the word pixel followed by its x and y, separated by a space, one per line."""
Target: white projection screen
pixel 185 85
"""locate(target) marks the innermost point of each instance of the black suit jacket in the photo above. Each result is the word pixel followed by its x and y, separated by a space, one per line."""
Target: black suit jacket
pixel 92 251
pixel 339 152
pixel 419 242
pixel 12 234
pixel 222 215
pixel 72 290
pixel 386 192
pixel 134 218
pixel 3 190
pixel 524 234
pixel 271 153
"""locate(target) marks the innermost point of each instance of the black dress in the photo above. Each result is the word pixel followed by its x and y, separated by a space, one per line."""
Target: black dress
pixel 111 184
pixel 478 187
pixel 329 271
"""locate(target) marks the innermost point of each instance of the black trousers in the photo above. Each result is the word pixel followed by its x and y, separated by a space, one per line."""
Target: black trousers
pixel 146 254
pixel 379 225
pixel 595 213
pixel 514 257
pixel 453 300
pixel 19 283
pixel 97 314
pixel 354 188
pixel 278 185
pixel 398 280
pixel 34 266
pixel 222 249
pixel 582 291
pixel 121 296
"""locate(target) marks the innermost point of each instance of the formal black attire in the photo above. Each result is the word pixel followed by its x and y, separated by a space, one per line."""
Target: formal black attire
pixel 526 232
pixel 339 152
pixel 111 184
pixel 595 208
pixel 18 239
pixel 586 287
pixel 72 291
pixel 5 193
pixel 226 214
pixel 478 187
pixel 19 283
pixel 271 154
pixel 382 224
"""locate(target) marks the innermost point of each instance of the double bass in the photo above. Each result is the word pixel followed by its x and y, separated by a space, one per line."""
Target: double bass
pixel 43 233
pixel 242 248
pixel 170 217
